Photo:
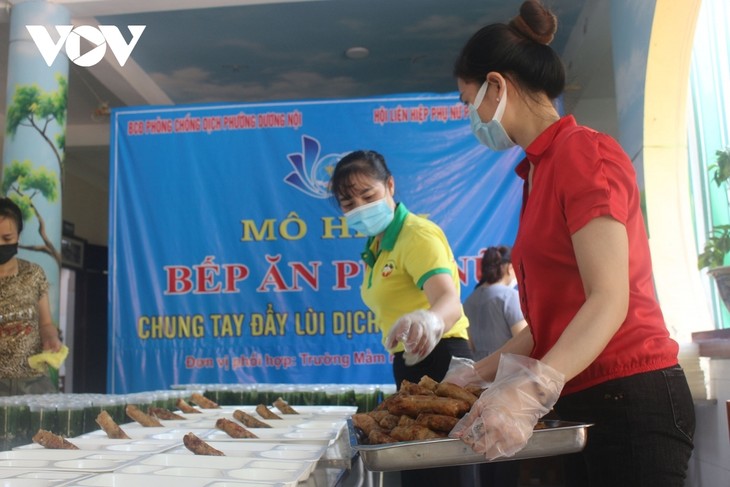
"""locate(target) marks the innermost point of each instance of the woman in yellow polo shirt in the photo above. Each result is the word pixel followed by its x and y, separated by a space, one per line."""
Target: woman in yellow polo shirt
pixel 411 281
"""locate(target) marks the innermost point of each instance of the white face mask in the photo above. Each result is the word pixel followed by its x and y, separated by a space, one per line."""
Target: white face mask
pixel 492 133
pixel 372 218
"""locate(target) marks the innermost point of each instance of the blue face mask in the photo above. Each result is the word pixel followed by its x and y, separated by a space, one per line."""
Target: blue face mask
pixel 370 219
pixel 491 133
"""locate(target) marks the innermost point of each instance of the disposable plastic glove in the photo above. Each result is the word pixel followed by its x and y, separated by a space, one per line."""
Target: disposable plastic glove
pixel 462 373
pixel 419 331
pixel 502 420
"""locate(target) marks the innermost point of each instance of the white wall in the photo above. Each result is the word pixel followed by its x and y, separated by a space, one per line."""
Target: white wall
pixel 710 463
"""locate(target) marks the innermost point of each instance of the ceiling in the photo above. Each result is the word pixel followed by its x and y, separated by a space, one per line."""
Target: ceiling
pixel 259 50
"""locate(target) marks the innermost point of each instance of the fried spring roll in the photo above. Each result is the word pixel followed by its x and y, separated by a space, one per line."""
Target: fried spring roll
pixel 249 420
pixel 415 405
pixel 266 413
pixel 203 401
pixel 234 430
pixel 389 422
pixel 428 383
pixel 377 437
pixel 284 407
pixel 365 422
pixel 110 427
pixel 52 441
pixel 437 422
pixel 383 406
pixel 379 415
pixel 446 389
pixel 413 432
pixel 185 407
pixel 406 421
pixel 411 388
pixel 141 417
pixel 199 447
pixel 162 413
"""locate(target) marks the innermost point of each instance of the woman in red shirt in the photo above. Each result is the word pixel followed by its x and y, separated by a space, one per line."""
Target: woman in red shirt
pixel 596 342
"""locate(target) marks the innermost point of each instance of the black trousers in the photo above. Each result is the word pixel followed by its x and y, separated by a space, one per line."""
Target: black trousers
pixel 642 432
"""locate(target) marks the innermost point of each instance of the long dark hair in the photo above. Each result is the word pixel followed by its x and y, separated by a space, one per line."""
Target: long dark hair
pixel 9 209
pixel 493 260
pixel 518 50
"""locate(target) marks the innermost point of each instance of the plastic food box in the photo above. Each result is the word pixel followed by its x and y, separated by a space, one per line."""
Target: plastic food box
pixel 33 478
pixel 144 480
pixel 252 469
pixel 74 460
pixel 305 412
pixel 282 456
pixel 269 453
pixel 138 432
pixel 143 446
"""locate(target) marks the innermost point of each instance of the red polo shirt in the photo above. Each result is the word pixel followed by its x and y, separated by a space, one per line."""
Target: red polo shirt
pixel 580 175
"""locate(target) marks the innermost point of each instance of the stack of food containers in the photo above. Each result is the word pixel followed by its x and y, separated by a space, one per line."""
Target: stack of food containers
pixel 282 455
pixel 75 414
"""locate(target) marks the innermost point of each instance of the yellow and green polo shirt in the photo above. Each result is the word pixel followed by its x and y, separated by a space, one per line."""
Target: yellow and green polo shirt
pixel 411 250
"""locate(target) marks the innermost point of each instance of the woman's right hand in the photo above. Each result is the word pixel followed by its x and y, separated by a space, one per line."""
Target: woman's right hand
pixel 419 331
pixel 502 420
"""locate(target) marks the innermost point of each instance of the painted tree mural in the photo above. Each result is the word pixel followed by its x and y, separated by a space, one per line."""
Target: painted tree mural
pixel 22 181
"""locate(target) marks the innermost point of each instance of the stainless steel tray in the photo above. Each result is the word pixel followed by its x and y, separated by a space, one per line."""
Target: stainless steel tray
pixel 558 438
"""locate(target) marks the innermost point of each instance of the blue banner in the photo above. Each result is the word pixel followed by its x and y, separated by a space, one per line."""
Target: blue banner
pixel 229 261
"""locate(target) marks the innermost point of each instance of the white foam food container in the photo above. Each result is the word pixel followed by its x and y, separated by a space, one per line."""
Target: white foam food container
pixel 304 422
pixel 141 446
pixel 174 434
pixel 342 412
pixel 142 480
pixel 73 460
pixel 181 470
pixel 251 468
pixel 279 435
pixel 38 478
pixel 261 450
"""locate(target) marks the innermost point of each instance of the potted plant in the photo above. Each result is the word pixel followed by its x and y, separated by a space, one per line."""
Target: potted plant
pixel 717 245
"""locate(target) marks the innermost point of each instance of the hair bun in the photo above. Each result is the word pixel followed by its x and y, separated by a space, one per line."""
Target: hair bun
pixel 535 22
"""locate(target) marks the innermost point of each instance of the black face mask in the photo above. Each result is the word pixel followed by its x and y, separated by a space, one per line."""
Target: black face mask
pixel 7 252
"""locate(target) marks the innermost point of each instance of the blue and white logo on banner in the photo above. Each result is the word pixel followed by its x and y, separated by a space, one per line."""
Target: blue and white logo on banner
pixel 230 262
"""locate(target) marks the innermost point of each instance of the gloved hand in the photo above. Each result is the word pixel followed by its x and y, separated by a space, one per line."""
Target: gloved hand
pixel 502 420
pixel 419 331
pixel 462 373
